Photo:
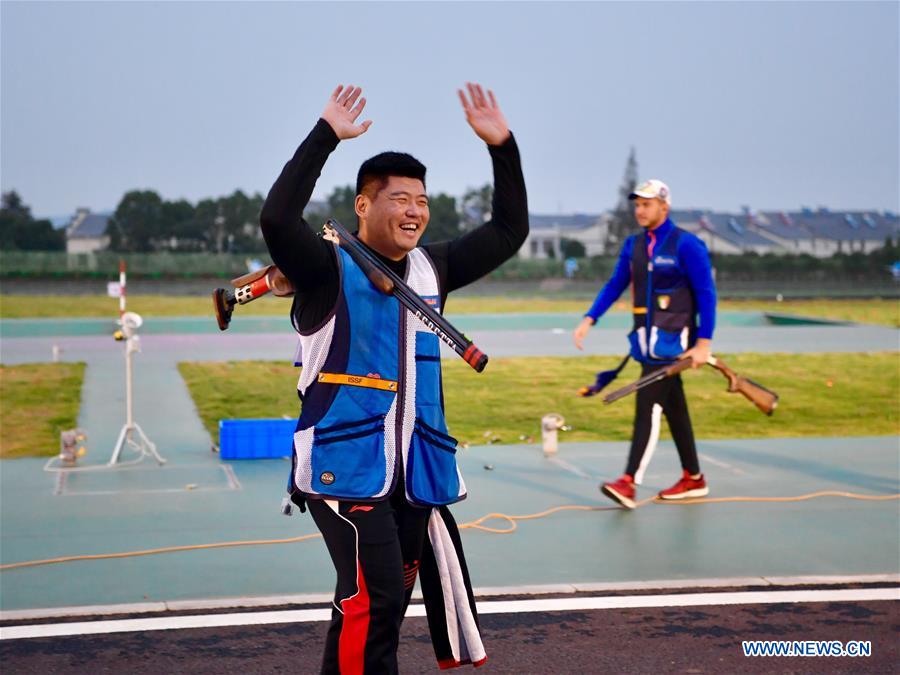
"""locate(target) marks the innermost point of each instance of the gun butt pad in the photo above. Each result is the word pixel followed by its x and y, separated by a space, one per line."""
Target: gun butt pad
pixel 222 308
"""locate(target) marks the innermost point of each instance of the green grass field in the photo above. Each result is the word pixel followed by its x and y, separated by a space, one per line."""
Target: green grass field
pixel 885 312
pixel 821 395
pixel 37 401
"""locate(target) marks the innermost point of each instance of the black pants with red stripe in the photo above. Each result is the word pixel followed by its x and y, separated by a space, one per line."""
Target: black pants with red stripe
pixel 665 397
pixel 377 549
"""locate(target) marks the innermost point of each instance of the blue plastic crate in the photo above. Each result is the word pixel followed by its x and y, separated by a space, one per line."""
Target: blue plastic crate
pixel 256 439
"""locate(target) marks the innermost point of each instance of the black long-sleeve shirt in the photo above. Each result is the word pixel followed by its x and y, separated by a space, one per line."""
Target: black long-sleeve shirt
pixel 309 261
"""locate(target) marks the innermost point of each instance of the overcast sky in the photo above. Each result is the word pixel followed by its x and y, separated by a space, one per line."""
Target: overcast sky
pixel 775 105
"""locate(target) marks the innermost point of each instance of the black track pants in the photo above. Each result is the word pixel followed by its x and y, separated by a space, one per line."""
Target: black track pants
pixel 377 549
pixel 665 397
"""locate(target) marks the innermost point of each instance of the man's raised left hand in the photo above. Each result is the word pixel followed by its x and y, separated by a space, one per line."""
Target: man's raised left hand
pixel 484 115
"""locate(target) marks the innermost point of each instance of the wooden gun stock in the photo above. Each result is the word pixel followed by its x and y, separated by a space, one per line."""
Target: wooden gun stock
pixel 764 399
pixel 379 279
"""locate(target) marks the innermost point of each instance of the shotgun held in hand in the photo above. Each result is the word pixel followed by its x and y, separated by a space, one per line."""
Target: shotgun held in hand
pixel 250 286
pixel 764 399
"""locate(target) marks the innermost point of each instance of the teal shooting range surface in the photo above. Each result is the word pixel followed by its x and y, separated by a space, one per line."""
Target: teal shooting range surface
pixel 13 328
pixel 198 499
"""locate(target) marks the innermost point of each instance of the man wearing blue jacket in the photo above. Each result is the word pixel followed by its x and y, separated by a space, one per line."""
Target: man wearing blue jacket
pixel 671 282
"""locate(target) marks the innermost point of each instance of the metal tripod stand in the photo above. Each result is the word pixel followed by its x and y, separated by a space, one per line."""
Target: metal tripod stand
pixel 131 434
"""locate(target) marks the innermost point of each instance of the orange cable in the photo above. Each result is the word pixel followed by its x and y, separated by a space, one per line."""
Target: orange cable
pixel 153 551
pixel 476 524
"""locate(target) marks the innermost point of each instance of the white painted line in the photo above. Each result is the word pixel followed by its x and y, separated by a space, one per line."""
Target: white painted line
pixel 163 623
pixel 722 465
pixel 60 484
pixel 571 468
pixel 689 600
pixel 496 607
pixel 233 481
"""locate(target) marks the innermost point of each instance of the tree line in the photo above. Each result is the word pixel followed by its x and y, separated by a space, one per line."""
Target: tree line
pixel 144 222
pixel 20 231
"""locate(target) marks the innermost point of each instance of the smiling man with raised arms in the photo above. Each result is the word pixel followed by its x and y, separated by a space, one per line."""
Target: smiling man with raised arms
pixel 373 459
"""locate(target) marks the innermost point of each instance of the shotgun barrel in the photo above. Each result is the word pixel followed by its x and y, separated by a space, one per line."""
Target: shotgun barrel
pixel 764 399
pixel 407 297
pixel 649 378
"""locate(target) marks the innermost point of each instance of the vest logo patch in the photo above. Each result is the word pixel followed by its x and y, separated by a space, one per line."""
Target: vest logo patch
pixel 664 301
pixel 664 260
pixel 327 478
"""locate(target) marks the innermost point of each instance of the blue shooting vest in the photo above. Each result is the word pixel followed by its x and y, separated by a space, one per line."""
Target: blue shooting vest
pixel 665 323
pixel 372 401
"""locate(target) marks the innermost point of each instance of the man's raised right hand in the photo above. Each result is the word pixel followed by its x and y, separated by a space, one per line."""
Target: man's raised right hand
pixel 343 109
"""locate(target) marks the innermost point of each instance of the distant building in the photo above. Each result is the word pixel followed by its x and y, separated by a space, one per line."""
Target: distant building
pixel 86 232
pixel 725 232
pixel 546 233
pixel 820 233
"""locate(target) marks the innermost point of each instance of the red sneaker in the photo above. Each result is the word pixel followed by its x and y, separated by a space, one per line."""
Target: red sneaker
pixel 686 488
pixel 621 492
